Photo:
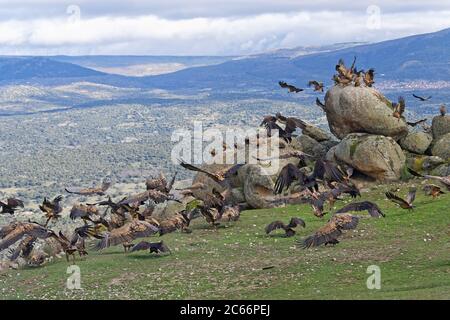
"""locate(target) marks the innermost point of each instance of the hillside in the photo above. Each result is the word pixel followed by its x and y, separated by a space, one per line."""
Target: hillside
pixel 411 248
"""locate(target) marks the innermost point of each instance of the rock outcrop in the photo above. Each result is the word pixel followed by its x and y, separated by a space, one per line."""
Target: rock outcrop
pixel 441 147
pixel 376 156
pixel 440 126
pixel 416 142
pixel 361 110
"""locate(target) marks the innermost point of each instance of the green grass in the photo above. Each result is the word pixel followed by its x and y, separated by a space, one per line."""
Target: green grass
pixel 227 263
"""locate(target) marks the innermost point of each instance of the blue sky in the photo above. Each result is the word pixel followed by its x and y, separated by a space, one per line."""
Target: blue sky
pixel 206 27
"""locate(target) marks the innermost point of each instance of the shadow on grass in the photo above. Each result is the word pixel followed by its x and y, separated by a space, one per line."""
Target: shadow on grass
pixel 147 256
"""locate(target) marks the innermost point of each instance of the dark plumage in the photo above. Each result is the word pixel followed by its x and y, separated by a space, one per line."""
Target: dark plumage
pixel 329 233
pixel 51 209
pixel 372 208
pixel 153 247
pixel 288 229
pixel 318 86
pixel 404 204
pixel 290 87
pixel 421 98
pixel 11 205
pixel 100 191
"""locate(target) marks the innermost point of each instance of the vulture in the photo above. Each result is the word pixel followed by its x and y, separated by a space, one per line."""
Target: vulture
pixel 399 108
pixel 154 195
pixel 290 174
pixel 404 204
pixel 329 233
pixel 84 212
pixel 11 205
pixel 318 86
pixel 421 98
pixel 359 78
pixel 153 247
pixel 70 248
pixel 433 190
pixel 369 77
pixel 100 191
pixel 24 248
pixel 230 213
pixel 413 124
pixel 160 184
pixel 12 233
pixel 290 87
pixel 372 208
pixel 222 177
pixel 344 72
pixel 288 229
pixel 444 180
pixel 443 110
pixel 179 221
pixel 290 154
pixel 51 209
pixel 127 233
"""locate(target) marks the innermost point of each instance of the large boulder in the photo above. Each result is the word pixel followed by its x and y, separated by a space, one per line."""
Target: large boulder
pixel 258 186
pixel 316 133
pixel 363 110
pixel 441 147
pixel 376 156
pixel 311 146
pixel 416 142
pixel 440 126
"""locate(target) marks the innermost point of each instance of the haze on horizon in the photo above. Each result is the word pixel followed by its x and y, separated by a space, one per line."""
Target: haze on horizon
pixel 202 27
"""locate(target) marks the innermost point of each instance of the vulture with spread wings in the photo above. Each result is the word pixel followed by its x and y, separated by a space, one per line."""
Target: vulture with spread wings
pixel 318 86
pixel 421 98
pixel 288 228
pixel 99 191
pixel 404 204
pixel 51 209
pixel 329 233
pixel 153 247
pixel 12 233
pixel 222 177
pixel 160 184
pixel 11 205
pixel 84 212
pixel 127 233
pixel 290 87
pixel 372 208
pixel 399 108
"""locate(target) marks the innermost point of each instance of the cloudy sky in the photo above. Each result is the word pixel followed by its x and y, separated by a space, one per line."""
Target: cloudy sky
pixel 206 27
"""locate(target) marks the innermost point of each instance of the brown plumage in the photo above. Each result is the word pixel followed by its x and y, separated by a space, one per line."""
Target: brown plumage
pixel 288 229
pixel 433 190
pixel 318 86
pixel 369 77
pixel 404 204
pixel 12 233
pixel 154 195
pixel 329 233
pixel 222 176
pixel 290 87
pixel 180 221
pixel 372 208
pixel 100 191
pixel 51 209
pixel 230 213
pixel 442 110
pixel 345 73
pixel 444 180
pixel 153 247
pixel 11 205
pixel 160 184
pixel 24 248
pixel 127 233
pixel 84 212
pixel 399 108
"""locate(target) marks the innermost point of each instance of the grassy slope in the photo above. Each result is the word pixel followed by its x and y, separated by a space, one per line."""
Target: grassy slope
pixel 228 263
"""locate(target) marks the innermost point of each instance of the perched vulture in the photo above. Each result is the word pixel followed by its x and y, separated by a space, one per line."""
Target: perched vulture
pixel 290 87
pixel 11 205
pixel 127 233
pixel 230 213
pixel 100 191
pixel 372 208
pixel 404 204
pixel 329 233
pixel 399 108
pixel 155 247
pixel 369 77
pixel 442 110
pixel 288 229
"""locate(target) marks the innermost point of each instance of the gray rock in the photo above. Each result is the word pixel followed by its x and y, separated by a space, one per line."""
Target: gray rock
pixel 311 146
pixel 421 163
pixel 258 187
pixel 359 109
pixel 441 147
pixel 316 133
pixel 443 170
pixel 376 156
pixel 417 142
pixel 440 126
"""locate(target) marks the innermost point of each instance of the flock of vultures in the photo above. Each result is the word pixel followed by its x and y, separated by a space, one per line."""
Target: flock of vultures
pixel 129 218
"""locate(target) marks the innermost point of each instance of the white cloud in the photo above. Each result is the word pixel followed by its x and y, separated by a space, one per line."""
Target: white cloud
pixel 151 34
